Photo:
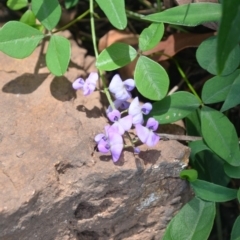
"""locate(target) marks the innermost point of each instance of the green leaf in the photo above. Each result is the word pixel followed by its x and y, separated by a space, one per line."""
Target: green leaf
pixel 196 147
pixel 115 56
pixel 19 40
pixel 235 234
pixel 174 107
pixel 193 124
pixel 192 14
pixel 228 32
pixel 221 86
pixel 58 55
pixel 151 36
pixel 17 4
pixel 193 222
pixel 190 175
pixel 70 3
pixel 238 197
pixel 47 12
pixel 207 53
pixel 213 192
pixel 115 12
pixel 233 96
pixel 151 79
pixel 220 135
pixel 28 18
pixel 210 167
pixel 232 171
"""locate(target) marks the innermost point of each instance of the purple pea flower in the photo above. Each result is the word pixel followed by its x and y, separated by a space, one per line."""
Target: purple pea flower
pixel 121 89
pixel 146 134
pixel 102 136
pixel 119 105
pixel 121 124
pixel 114 144
pixel 88 85
pixel 137 111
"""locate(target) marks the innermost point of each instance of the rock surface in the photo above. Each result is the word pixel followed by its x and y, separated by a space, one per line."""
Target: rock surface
pixel 53 185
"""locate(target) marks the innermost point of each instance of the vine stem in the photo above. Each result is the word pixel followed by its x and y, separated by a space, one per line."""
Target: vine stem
pixel 183 75
pixel 94 40
pixel 73 21
pixel 187 81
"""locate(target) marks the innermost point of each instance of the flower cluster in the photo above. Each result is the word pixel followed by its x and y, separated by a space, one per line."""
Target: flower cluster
pixel 88 86
pixel 112 139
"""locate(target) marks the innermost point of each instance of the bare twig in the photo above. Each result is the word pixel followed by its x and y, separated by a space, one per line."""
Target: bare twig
pixel 178 137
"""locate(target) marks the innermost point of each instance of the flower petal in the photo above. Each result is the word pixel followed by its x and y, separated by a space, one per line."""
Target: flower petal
pixel 116 151
pixel 126 122
pixel 88 88
pixel 138 119
pixel 114 138
pixel 116 84
pixel 152 139
pixel 123 95
pixel 120 130
pixel 118 104
pixel 118 89
pixel 78 84
pixel 129 84
pixel 112 128
pixel 99 137
pixel 124 105
pixel 152 124
pixel 134 107
pixel 103 146
pixel 142 133
pixel 92 78
pixel 114 115
pixel 146 108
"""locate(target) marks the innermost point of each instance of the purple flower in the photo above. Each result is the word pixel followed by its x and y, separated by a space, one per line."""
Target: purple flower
pixel 146 134
pixel 114 144
pixel 121 90
pixel 88 85
pixel 137 111
pixel 118 104
pixel 121 124
pixel 102 136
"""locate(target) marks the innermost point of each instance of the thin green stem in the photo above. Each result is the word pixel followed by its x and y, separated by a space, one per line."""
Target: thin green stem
pixel 218 222
pixel 179 28
pixel 129 137
pixel 159 7
pixel 94 40
pixel 135 15
pixel 183 75
pixel 73 21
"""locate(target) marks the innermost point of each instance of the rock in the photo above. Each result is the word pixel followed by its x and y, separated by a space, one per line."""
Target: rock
pixel 54 186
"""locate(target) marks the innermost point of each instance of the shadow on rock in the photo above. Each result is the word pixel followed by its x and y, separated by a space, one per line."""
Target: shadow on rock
pixel 61 89
pixel 95 112
pixel 106 158
pixel 149 156
pixel 25 84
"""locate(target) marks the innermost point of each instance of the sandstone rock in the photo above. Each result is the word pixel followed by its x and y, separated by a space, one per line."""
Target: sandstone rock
pixel 54 186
